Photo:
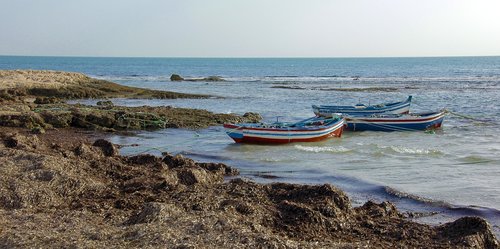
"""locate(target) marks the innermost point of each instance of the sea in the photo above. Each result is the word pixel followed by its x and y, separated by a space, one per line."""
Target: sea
pixel 434 177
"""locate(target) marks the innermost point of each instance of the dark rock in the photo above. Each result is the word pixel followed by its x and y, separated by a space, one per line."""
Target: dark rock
pixel 326 194
pixel 384 209
pixel 296 213
pixel 226 170
pixel 472 232
pixel 244 208
pixel 178 161
pixel 107 147
pixel 105 103
pixel 176 77
pixel 11 142
pixel 213 78
pixel 144 159
pixel 20 141
pixel 47 100
pixel 192 176
pixel 57 119
pixel 209 78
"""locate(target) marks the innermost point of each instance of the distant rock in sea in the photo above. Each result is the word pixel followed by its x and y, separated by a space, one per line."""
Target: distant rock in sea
pixel 176 77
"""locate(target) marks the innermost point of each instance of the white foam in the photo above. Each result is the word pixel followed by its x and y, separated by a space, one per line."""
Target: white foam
pixel 336 149
pixel 411 151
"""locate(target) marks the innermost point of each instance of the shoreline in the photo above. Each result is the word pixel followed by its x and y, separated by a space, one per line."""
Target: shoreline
pixel 415 207
pixel 36 100
pixel 144 200
pixel 179 190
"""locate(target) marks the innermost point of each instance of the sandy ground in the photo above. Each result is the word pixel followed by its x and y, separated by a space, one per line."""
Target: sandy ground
pixel 36 78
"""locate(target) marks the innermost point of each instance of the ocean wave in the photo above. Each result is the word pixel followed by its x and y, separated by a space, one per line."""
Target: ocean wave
pixel 336 149
pixel 410 151
pixel 464 81
pixel 462 209
pixel 475 160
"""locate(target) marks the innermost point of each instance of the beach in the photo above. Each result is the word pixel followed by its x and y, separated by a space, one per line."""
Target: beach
pixel 86 193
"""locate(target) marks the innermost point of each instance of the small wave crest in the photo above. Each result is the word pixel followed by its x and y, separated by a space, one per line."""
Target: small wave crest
pixel 466 210
pixel 332 149
pixel 410 151
pixel 399 194
pixel 475 160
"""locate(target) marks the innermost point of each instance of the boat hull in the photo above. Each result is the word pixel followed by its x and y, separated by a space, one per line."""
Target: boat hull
pixel 241 134
pixel 402 123
pixel 390 108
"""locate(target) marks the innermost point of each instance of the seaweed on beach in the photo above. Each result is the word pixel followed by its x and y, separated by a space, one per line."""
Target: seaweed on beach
pixel 85 194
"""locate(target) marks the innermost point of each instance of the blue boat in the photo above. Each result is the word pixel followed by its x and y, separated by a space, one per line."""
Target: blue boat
pixel 396 122
pixel 364 110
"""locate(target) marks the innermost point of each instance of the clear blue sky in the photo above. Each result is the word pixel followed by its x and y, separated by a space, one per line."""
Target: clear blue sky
pixel 251 28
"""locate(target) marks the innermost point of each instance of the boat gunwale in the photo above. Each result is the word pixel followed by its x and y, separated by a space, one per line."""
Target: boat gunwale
pixel 339 122
pixel 432 116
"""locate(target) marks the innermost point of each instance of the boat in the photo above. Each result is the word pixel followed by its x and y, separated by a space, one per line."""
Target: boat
pixel 396 122
pixel 308 130
pixel 363 110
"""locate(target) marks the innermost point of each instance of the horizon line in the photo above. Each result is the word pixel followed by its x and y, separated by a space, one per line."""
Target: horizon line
pixel 251 57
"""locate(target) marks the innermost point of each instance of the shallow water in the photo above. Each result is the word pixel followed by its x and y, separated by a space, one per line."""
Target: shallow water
pixel 454 171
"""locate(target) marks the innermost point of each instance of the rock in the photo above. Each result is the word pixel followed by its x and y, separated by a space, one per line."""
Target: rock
pixel 298 213
pixel 47 100
pixel 472 232
pixel 313 194
pixel 192 176
pixel 178 161
pixel 108 149
pixel 57 118
pixel 105 103
pixel 11 142
pixel 176 77
pixel 252 117
pixel 144 159
pixel 213 78
pixel 224 169
pixel 20 141
pixel 384 209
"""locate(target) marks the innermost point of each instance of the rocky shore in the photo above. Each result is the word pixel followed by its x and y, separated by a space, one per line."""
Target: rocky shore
pixel 79 192
pixel 36 100
pixel 82 193
pixel 22 84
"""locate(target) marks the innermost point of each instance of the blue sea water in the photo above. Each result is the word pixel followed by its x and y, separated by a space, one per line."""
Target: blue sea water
pixel 450 173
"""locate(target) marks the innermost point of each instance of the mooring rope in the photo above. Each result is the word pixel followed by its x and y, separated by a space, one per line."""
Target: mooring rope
pixel 467 117
pixel 162 149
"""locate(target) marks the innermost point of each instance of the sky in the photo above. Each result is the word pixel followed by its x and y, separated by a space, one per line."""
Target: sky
pixel 250 28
